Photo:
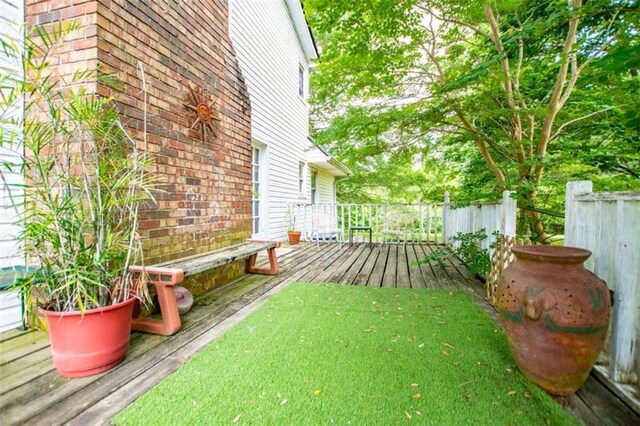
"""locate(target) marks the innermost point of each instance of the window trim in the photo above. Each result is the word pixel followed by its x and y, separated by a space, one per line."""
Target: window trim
pixel 301 81
pixel 301 177
pixel 314 187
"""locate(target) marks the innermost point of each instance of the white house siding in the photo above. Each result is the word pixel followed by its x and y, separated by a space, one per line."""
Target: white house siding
pixel 11 18
pixel 325 187
pixel 270 53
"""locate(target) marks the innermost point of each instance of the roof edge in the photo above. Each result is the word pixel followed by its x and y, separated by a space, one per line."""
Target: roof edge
pixel 301 26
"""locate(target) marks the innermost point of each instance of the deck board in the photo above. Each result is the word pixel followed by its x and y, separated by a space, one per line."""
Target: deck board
pixel 31 392
pixel 353 275
pixel 377 272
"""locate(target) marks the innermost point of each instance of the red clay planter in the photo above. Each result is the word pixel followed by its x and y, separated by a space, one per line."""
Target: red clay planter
pixel 555 314
pixel 294 237
pixel 84 345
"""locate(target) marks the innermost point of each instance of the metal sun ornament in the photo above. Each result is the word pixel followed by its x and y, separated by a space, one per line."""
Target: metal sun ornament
pixel 203 106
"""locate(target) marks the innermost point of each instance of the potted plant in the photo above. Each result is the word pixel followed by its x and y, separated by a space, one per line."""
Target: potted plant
pixel 84 180
pixel 292 233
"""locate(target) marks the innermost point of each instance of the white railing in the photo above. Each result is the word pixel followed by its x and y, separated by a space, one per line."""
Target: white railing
pixel 608 224
pixel 492 217
pixel 388 222
pixel 428 222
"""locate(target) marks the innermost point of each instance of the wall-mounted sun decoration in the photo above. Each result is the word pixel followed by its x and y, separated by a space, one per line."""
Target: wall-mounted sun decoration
pixel 203 106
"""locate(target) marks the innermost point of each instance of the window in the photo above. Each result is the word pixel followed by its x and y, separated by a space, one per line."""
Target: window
pixel 255 193
pixel 301 178
pixel 301 81
pixel 314 188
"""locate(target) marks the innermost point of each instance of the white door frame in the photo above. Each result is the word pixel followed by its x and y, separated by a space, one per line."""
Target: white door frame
pixel 263 190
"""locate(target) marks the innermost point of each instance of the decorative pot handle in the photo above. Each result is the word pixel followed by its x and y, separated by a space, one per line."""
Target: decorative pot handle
pixel 535 302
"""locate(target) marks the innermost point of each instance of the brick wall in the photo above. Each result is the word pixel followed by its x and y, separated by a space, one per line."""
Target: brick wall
pixel 204 201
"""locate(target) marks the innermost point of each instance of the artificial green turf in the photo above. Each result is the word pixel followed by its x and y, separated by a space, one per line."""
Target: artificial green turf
pixel 320 354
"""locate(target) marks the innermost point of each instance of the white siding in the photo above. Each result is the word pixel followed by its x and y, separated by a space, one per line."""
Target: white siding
pixel 11 18
pixel 270 54
pixel 325 187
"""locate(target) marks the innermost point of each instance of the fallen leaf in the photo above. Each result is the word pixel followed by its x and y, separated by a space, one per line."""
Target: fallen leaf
pixel 511 393
pixel 284 401
pixel 418 413
pixel 445 353
pixel 279 395
pixel 414 385
pixel 317 392
pixel 527 394
pixel 193 401
pixel 509 370
pixel 416 396
pixel 406 413
pixel 421 345
pixel 236 419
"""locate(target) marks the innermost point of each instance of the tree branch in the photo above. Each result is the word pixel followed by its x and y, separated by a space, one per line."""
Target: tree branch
pixel 570 122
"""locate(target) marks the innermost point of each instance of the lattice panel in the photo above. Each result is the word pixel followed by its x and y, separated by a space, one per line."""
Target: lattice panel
pixel 500 259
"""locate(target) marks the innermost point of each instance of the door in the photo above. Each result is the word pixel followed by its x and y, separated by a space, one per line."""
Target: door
pixel 256 196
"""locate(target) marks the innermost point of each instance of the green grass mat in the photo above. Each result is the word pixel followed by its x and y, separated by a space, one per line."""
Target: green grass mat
pixel 329 354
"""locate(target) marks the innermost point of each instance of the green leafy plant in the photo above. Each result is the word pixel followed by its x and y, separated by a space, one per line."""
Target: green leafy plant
pixel 290 218
pixel 466 247
pixel 84 180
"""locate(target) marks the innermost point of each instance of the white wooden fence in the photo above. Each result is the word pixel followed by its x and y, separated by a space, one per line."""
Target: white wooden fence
pixel 491 217
pixel 608 224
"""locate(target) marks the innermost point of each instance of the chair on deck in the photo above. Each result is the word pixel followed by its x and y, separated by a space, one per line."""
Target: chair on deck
pixel 398 224
pixel 324 225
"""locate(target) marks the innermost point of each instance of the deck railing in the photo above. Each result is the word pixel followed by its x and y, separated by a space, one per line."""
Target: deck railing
pixel 420 223
pixel 416 223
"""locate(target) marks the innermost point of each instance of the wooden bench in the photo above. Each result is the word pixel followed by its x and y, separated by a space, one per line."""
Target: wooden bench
pixel 165 276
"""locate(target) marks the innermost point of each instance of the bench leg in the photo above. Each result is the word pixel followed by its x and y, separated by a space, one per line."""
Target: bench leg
pixel 273 263
pixel 164 279
pixel 170 322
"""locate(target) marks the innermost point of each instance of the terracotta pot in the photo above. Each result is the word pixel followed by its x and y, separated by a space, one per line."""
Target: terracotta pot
pixel 294 237
pixel 84 345
pixel 555 314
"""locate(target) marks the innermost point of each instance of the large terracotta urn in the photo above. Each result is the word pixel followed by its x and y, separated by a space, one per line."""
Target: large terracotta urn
pixel 555 314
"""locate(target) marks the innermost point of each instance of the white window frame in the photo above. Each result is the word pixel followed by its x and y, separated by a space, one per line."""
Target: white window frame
pixel 314 187
pixel 302 80
pixel 301 178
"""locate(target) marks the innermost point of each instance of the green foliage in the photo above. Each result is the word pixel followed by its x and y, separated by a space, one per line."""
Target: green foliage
pixel 319 354
pixel 290 218
pixel 84 180
pixel 466 247
pixel 396 79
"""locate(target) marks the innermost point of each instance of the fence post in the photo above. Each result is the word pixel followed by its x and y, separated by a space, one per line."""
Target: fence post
pixel 445 208
pixel 570 207
pixel 509 213
pixel 624 365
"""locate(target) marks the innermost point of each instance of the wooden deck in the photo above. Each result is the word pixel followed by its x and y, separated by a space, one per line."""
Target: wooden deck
pixel 32 393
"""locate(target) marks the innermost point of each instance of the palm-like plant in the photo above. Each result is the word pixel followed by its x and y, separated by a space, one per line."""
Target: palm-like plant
pixel 84 181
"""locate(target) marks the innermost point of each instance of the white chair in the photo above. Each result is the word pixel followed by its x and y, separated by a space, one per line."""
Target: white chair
pixel 398 224
pixel 324 225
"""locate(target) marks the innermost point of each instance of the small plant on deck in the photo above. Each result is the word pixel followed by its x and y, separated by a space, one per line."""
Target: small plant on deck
pixel 466 247
pixel 292 232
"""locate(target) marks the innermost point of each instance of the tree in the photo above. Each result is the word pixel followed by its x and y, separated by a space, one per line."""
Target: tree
pixel 506 78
